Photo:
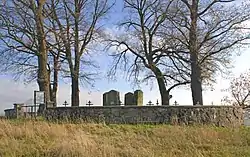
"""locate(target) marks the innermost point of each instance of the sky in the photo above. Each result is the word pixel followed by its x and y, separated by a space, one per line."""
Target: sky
pixel 16 92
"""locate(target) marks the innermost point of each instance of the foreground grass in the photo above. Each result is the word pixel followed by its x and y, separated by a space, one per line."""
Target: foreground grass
pixel 38 138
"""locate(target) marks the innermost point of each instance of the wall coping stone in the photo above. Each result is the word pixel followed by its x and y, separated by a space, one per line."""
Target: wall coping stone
pixel 160 106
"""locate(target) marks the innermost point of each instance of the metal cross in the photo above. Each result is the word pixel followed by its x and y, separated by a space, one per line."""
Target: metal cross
pixel 150 103
pixel 89 103
pixel 65 103
pixel 175 103
pixel 157 102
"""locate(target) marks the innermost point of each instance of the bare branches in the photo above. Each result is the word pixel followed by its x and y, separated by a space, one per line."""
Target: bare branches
pixel 19 38
pixel 220 29
pixel 76 26
pixel 239 90
pixel 144 51
pixel 212 4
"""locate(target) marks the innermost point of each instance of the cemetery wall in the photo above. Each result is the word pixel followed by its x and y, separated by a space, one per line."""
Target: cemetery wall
pixel 180 115
pixel 10 113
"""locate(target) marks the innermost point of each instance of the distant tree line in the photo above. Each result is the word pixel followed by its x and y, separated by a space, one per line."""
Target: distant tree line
pixel 172 42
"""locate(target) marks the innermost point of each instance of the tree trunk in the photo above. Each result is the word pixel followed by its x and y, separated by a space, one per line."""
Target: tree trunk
pixel 162 87
pixel 164 93
pixel 75 99
pixel 54 94
pixel 55 82
pixel 43 81
pixel 196 85
pixel 75 75
pixel 43 78
pixel 75 91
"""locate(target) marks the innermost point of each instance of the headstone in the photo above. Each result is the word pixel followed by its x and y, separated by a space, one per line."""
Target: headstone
pixel 114 97
pixel 138 97
pixel 129 99
pixel 105 99
pixel 111 98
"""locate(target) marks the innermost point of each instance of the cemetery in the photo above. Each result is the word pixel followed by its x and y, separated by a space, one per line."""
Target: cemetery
pixel 134 112
pixel 74 53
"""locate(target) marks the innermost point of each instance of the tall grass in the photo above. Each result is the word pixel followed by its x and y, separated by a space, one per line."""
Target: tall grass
pixel 39 138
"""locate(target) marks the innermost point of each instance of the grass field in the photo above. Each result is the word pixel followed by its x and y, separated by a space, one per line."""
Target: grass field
pixel 39 138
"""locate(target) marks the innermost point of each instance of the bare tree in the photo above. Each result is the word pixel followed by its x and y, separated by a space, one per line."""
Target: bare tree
pixel 22 32
pixel 24 39
pixel 145 52
pixel 210 31
pixel 77 25
pixel 239 90
pixel 21 50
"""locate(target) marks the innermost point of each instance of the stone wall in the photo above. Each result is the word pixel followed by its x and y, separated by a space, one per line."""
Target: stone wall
pixel 10 113
pixel 212 115
pixel 18 112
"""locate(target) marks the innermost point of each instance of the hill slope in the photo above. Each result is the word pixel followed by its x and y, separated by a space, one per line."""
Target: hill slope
pixel 29 138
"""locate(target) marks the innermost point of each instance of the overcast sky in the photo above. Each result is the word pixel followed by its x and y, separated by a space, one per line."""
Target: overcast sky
pixel 16 92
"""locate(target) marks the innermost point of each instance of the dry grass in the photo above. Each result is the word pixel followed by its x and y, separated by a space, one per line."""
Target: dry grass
pixel 38 138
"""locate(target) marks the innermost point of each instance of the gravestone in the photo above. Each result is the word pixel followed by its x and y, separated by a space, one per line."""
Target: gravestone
pixel 138 97
pixel 111 98
pixel 105 99
pixel 114 97
pixel 129 99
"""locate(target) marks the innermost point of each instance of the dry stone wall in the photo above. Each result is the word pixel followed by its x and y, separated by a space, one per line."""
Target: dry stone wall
pixel 10 113
pixel 180 115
